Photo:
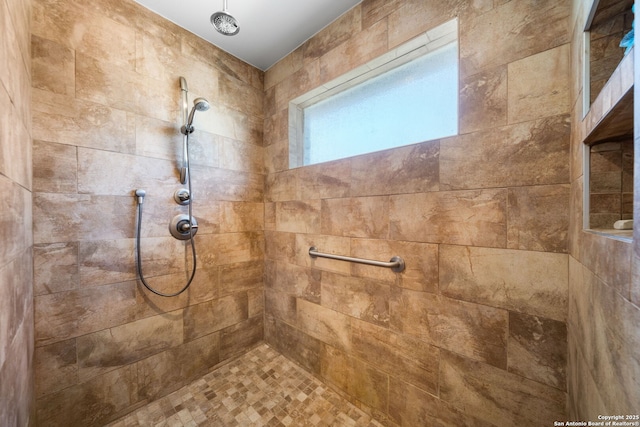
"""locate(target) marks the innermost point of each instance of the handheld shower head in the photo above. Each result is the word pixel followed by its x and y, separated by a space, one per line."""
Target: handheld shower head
pixel 199 104
pixel 224 23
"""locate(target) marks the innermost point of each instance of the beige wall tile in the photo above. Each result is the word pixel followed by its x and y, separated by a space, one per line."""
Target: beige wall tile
pixel 356 217
pixel 120 346
pixel 55 268
pixel 280 305
pixel 206 318
pixel 339 31
pixel 55 367
pixel 411 169
pixel 476 331
pixel 483 100
pixel 97 401
pixel 538 218
pixel 421 263
pixel 326 244
pixel 71 121
pixel 495 396
pixel 531 282
pixel 454 217
pixel 55 168
pixel 538 349
pixel 359 49
pixel 517 26
pixel 356 378
pixel 53 66
pixel 283 68
pixel 300 282
pixel 298 216
pixel 70 314
pixel 325 181
pixel 327 325
pixel 286 339
pixel 400 356
pixel 237 339
pixel 16 150
pixel 410 406
pixel 531 153
pixel 360 298
pixel 539 85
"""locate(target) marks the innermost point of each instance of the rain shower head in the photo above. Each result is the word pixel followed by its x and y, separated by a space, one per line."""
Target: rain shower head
pixel 224 23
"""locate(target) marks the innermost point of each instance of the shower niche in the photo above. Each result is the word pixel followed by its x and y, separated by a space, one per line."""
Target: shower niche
pixel 608 122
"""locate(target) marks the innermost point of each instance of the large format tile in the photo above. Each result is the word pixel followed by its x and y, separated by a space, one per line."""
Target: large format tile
pixel 453 217
pixel 531 282
pixel 496 396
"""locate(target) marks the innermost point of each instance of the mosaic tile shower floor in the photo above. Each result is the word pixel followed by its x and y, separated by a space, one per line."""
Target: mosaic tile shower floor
pixel 261 388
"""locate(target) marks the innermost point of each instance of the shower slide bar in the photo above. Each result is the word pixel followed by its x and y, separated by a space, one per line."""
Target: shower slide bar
pixel 396 263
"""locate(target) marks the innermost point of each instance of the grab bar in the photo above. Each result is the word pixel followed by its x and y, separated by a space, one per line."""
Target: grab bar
pixel 396 263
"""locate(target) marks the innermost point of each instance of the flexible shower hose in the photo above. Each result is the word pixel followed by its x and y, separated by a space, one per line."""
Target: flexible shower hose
pixel 192 236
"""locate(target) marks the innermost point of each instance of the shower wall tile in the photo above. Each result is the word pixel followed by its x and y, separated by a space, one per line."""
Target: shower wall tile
pixel 454 217
pixel 483 100
pixel 52 66
pixel 160 139
pixel 281 305
pixel 283 68
pixel 168 371
pixel 280 246
pixel 328 244
pixel 303 348
pixel 57 365
pixel 340 31
pixel 302 81
pixel 121 88
pixel 71 121
pixel 241 156
pixel 517 26
pixel 71 24
pixel 237 339
pixel 227 185
pixel 322 323
pixel 476 331
pixel 298 216
pixel 401 356
pixel 496 396
pixel 206 318
pixel 538 349
pixel 256 302
pixel 358 379
pixel 71 217
pixel 55 268
pixel 375 10
pixel 70 314
pixel 16 149
pixel 531 282
pixel 539 85
pixel 247 99
pixel 282 186
pixel 410 406
pixel 95 402
pixel 366 217
pixel 300 282
pixel 530 153
pixel 411 169
pixel 120 346
pixel 16 217
pixel 325 181
pixel 538 218
pixel 367 300
pixel 55 167
pixel 358 50
pixel 421 263
pixel 242 276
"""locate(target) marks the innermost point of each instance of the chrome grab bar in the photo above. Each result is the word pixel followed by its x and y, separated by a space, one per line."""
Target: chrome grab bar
pixel 396 263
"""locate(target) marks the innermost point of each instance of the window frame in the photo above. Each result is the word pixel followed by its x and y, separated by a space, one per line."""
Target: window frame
pixel 430 41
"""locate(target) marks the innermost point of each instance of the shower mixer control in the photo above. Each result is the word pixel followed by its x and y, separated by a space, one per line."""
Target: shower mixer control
pixel 182 196
pixel 180 228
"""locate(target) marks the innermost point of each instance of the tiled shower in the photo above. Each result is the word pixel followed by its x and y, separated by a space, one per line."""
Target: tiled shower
pixel 508 312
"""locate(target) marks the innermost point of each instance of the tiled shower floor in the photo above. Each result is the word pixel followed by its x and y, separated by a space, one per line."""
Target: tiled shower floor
pixel 261 388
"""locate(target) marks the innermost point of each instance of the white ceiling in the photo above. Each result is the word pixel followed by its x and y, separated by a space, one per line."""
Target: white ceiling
pixel 269 30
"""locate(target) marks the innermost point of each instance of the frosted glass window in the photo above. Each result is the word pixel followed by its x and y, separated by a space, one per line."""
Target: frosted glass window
pixel 414 102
